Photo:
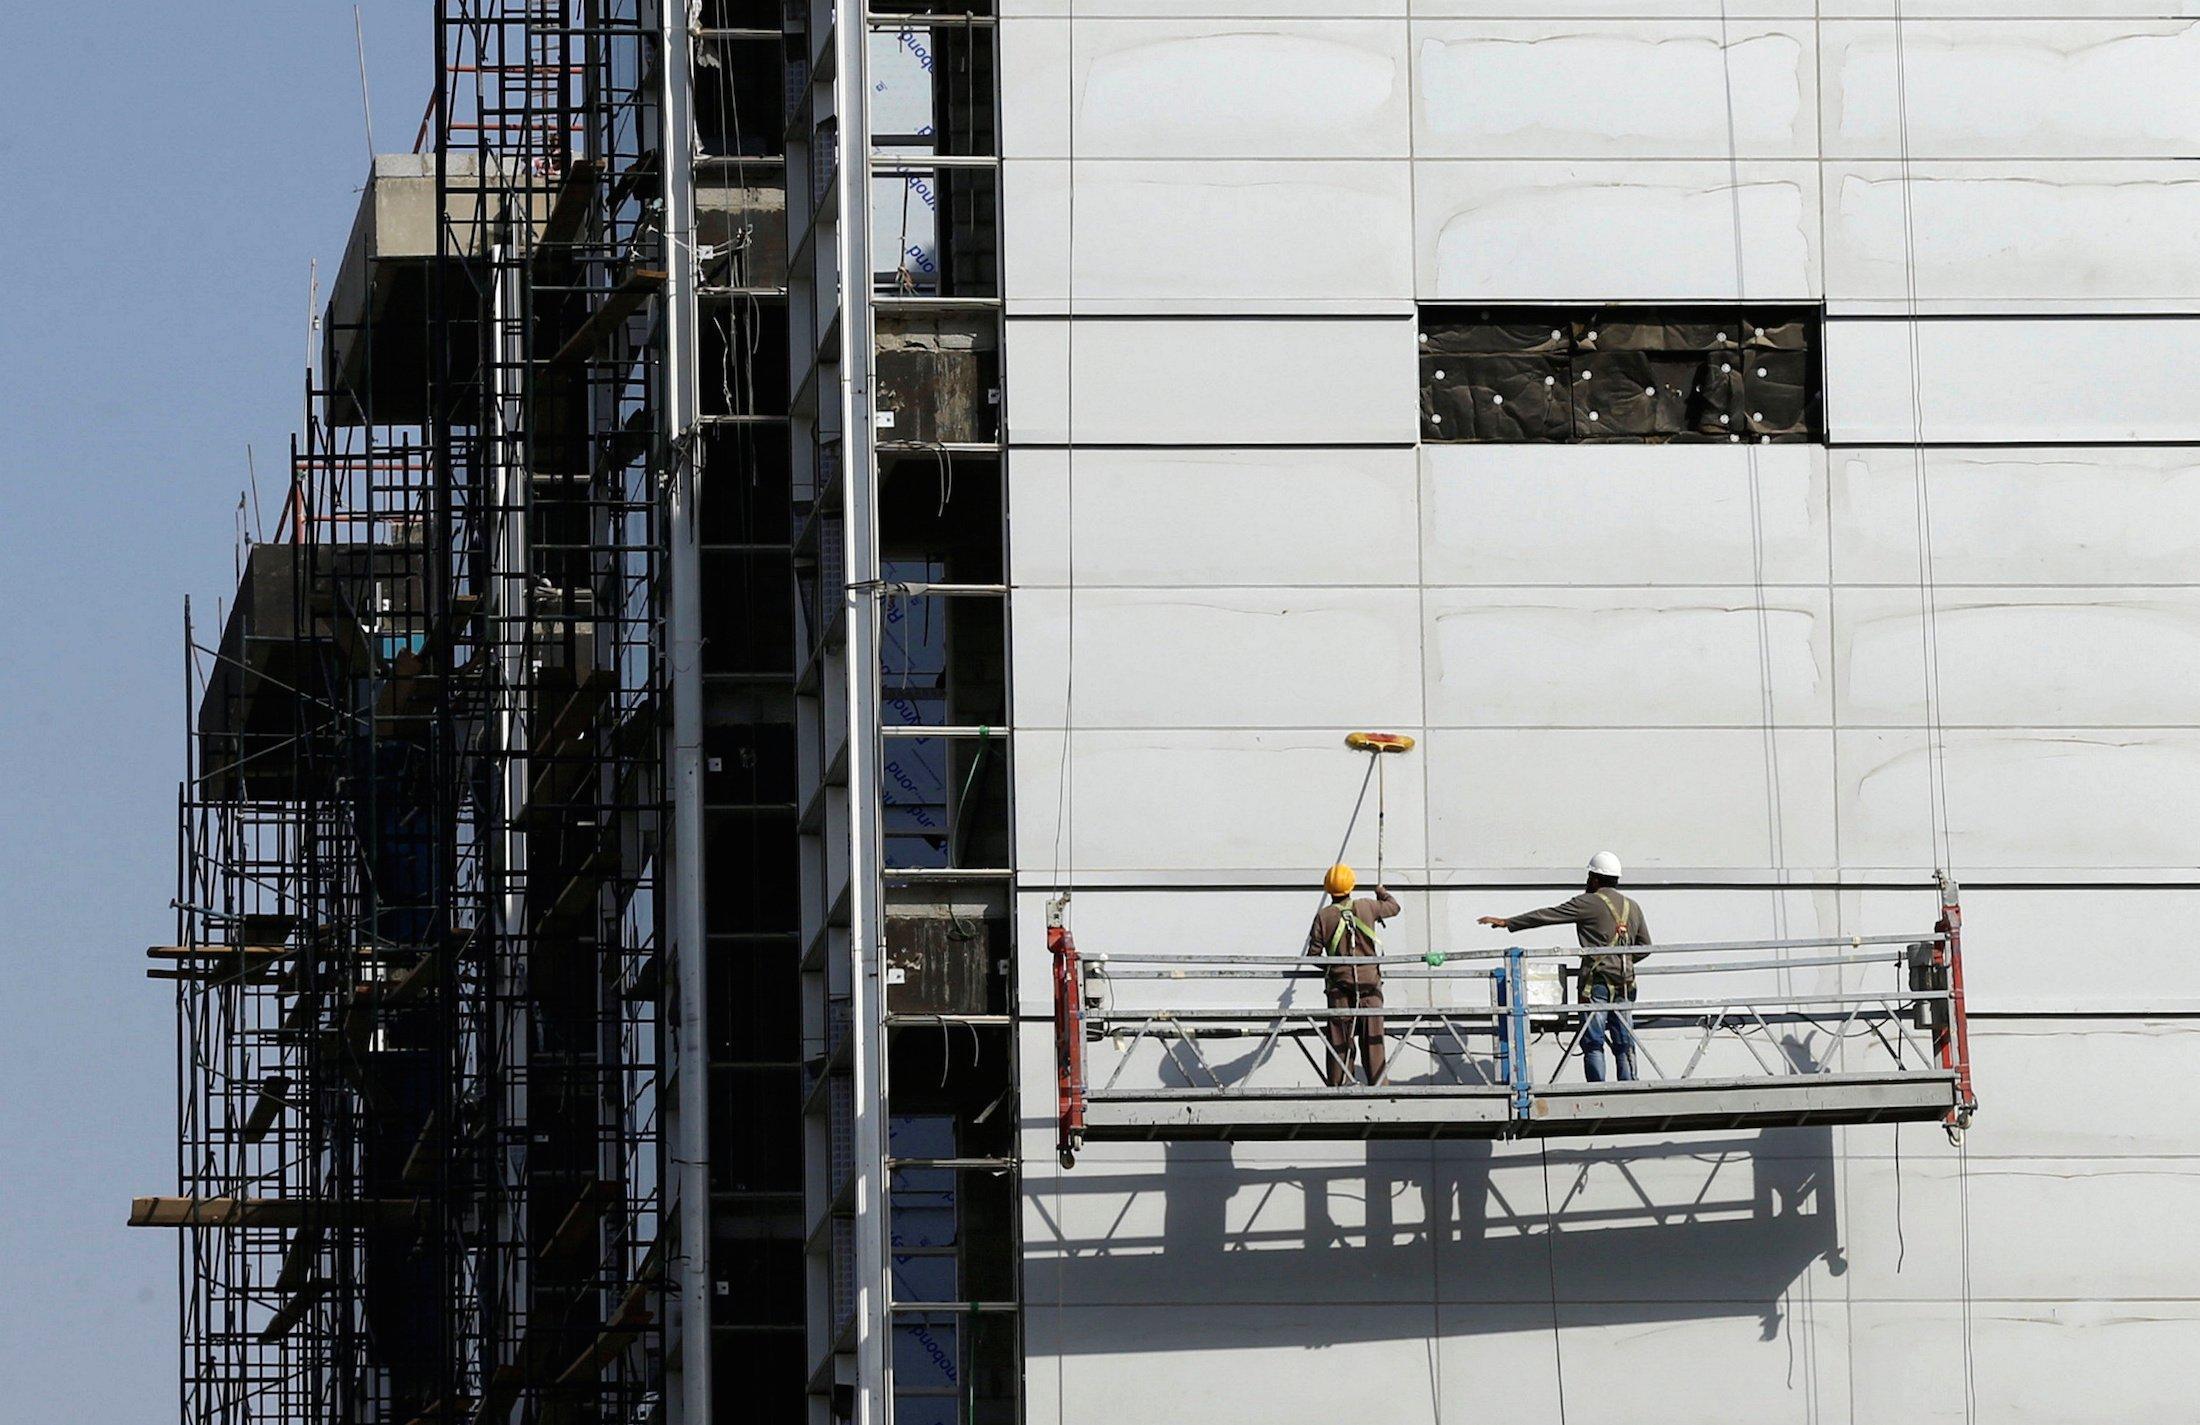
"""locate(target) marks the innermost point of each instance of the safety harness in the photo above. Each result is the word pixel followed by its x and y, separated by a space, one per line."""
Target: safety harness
pixel 1348 920
pixel 1618 971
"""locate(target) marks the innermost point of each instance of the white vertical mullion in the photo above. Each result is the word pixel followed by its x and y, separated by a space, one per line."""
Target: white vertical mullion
pixel 866 931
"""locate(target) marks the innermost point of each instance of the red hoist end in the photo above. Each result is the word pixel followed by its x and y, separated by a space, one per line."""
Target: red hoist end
pixel 1069 1035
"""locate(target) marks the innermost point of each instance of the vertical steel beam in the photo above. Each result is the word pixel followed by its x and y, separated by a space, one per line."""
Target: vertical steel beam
pixel 686 1048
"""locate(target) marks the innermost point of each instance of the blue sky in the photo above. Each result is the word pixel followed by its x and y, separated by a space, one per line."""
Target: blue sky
pixel 166 173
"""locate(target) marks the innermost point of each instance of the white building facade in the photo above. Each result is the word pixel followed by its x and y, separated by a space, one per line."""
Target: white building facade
pixel 1230 542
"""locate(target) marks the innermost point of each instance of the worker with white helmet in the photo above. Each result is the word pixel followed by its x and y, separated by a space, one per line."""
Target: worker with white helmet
pixel 1344 930
pixel 1602 918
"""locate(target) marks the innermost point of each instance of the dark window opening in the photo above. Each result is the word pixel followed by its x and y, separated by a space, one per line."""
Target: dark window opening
pixel 1626 375
pixel 740 98
pixel 747 473
pixel 748 765
pixel 748 612
pixel 750 871
pixel 744 357
pixel 756 1130
pixel 753 985
pixel 944 509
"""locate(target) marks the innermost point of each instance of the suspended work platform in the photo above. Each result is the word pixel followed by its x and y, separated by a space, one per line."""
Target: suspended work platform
pixel 1729 1035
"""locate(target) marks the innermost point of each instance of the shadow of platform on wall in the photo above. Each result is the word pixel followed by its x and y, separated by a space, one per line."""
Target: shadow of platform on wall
pixel 1648 1232
pixel 1679 1227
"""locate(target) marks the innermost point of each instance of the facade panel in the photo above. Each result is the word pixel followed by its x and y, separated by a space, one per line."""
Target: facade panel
pixel 1214 518
pixel 2039 518
pixel 2012 382
pixel 2011 88
pixel 1191 383
pixel 1172 235
pixel 2012 236
pixel 1581 230
pixel 1606 89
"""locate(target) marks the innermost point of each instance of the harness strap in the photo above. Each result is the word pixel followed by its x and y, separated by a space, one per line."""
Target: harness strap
pixel 1623 973
pixel 1347 920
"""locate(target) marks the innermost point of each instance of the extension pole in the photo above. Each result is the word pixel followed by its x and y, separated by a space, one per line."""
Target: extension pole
pixel 1382 814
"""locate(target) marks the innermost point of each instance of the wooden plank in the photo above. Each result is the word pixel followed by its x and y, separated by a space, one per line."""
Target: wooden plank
pixel 497 1401
pixel 617 306
pixel 299 1259
pixel 215 964
pixel 293 1311
pixel 625 1324
pixel 569 209
pixel 213 952
pixel 268 1211
pixel 413 982
pixel 302 1013
pixel 266 1108
pixel 572 1231
pixel 442 1412
pixel 420 1162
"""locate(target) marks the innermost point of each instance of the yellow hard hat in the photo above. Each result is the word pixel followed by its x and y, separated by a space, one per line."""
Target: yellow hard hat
pixel 1340 880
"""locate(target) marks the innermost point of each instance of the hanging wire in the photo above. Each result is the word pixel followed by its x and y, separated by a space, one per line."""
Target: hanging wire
pixel 1065 830
pixel 1767 698
pixel 1065 786
pixel 1931 723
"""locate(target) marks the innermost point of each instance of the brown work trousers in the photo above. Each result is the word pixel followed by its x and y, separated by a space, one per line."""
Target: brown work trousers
pixel 1366 1029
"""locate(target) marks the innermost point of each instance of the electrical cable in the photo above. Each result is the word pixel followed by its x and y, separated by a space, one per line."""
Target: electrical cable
pixel 1064 783
pixel 1550 1269
pixel 1932 721
pixel 1767 691
pixel 1932 726
pixel 1767 701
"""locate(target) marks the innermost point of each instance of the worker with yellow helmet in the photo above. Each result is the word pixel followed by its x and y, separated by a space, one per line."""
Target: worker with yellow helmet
pixel 1344 931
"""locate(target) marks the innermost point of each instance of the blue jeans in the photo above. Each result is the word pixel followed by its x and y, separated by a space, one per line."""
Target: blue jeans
pixel 1619 1024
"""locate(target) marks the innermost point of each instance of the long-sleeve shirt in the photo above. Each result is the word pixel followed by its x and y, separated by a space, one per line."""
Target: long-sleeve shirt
pixel 1355 943
pixel 1601 919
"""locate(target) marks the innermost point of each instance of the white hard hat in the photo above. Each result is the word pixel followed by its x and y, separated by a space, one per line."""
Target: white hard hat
pixel 1604 863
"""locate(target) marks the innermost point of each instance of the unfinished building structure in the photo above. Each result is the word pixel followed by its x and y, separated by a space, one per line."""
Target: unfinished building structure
pixel 799 504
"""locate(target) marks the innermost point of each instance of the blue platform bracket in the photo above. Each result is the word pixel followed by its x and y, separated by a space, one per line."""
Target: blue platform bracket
pixel 1518 1073
pixel 1501 992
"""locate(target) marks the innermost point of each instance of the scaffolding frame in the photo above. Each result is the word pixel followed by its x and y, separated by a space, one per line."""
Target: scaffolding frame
pixel 417 960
